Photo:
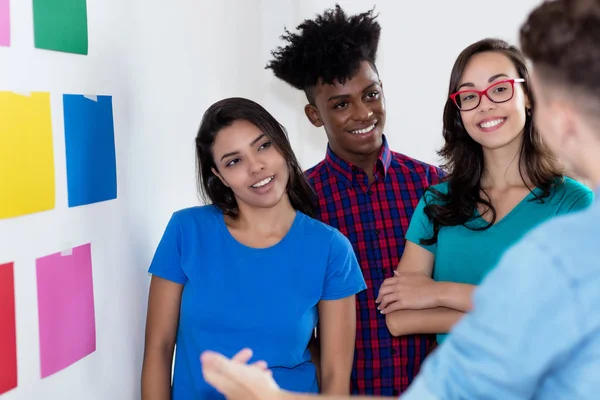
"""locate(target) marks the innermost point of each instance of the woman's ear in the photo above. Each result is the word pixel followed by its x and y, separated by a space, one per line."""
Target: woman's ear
pixel 218 175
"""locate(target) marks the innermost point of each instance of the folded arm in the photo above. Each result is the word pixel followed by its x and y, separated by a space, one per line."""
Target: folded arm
pixel 414 303
pixel 432 320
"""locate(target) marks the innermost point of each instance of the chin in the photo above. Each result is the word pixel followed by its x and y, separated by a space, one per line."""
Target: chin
pixel 268 202
pixel 498 142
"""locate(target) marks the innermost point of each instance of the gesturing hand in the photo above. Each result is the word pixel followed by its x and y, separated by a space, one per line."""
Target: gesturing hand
pixel 407 291
pixel 237 380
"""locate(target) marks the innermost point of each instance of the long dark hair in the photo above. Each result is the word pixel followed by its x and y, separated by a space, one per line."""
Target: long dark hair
pixel 464 156
pixel 221 115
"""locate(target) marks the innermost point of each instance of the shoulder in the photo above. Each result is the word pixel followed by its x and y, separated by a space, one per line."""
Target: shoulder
pixel 573 188
pixel 570 194
pixel 316 171
pixel 420 170
pixel 196 219
pixel 191 213
pixel 433 193
pixel 320 231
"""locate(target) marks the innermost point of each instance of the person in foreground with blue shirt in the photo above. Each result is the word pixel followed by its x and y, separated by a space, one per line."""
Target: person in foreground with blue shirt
pixel 252 269
pixel 534 330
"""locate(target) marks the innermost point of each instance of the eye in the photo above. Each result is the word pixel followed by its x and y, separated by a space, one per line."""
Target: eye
pixel 232 162
pixel 373 95
pixel 265 145
pixel 341 105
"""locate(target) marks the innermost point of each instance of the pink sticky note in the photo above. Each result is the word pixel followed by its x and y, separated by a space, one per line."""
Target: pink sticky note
pixel 65 308
pixel 4 23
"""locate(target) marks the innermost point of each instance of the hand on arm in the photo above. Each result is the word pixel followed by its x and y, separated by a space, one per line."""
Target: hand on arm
pixel 414 303
pixel 161 330
pixel 337 335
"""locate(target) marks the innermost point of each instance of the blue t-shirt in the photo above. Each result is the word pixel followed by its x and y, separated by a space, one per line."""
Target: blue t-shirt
pixel 235 296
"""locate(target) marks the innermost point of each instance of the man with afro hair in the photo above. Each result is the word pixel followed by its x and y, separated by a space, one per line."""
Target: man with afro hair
pixel 364 189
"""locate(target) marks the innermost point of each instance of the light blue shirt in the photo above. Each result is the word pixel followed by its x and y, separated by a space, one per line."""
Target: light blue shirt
pixel 534 332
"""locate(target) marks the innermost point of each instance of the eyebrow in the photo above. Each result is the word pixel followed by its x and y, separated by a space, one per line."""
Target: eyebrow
pixel 341 96
pixel 493 78
pixel 252 143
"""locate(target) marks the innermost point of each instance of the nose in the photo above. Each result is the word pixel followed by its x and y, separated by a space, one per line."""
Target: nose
pixel 362 112
pixel 256 165
pixel 485 104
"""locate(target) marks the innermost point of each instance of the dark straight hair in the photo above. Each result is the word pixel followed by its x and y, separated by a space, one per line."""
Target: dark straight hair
pixel 221 115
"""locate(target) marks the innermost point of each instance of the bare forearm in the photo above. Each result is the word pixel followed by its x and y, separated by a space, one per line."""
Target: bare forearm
pixel 337 335
pixel 156 376
pixel 456 296
pixel 431 320
pixel 335 385
pixel 336 371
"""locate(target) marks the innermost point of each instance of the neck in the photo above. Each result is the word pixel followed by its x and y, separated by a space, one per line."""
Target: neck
pixel 501 167
pixel 366 162
pixel 265 220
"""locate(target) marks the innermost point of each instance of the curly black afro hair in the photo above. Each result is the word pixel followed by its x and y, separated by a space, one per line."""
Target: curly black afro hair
pixel 329 48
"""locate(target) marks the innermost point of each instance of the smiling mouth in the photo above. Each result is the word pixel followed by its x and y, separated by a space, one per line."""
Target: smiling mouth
pixel 264 182
pixel 364 130
pixel 491 124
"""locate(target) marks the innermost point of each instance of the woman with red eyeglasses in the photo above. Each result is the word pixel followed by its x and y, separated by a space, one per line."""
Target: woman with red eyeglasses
pixel 501 182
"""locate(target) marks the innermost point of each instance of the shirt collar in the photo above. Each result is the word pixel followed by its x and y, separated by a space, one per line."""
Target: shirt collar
pixel 346 170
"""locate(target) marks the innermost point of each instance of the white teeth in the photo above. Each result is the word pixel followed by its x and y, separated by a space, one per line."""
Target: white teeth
pixel 263 182
pixel 491 124
pixel 365 130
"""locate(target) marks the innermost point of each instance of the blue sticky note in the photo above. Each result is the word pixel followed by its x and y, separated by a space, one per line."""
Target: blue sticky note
pixel 90 149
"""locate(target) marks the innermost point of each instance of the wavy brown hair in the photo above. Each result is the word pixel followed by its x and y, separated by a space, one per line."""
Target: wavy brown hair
pixel 464 156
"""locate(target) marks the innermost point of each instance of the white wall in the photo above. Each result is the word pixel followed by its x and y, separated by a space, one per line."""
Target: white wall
pixel 164 64
pixel 419 43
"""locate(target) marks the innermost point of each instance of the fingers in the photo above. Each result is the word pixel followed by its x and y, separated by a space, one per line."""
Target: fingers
pixel 384 290
pixel 214 368
pixel 387 300
pixel 243 356
pixel 262 365
pixel 391 307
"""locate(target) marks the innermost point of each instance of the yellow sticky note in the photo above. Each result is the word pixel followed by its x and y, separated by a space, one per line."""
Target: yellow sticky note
pixel 26 154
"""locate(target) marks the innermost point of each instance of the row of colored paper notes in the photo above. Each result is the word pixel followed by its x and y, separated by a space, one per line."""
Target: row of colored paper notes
pixel 27 162
pixel 67 325
pixel 59 25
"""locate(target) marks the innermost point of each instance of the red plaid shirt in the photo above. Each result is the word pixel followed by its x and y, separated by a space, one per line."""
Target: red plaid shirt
pixel 375 219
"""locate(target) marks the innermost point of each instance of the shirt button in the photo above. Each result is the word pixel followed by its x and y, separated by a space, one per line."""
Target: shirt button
pixel 396 392
pixel 384 270
pixel 394 351
pixel 369 192
pixel 377 231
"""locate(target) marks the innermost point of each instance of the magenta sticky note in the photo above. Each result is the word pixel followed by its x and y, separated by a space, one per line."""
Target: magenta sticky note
pixel 66 308
pixel 4 23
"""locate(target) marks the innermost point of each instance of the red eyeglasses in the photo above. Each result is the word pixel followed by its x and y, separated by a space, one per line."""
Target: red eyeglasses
pixel 498 92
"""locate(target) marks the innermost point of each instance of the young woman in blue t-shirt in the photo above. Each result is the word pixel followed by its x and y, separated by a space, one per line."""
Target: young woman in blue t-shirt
pixel 502 182
pixel 252 269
